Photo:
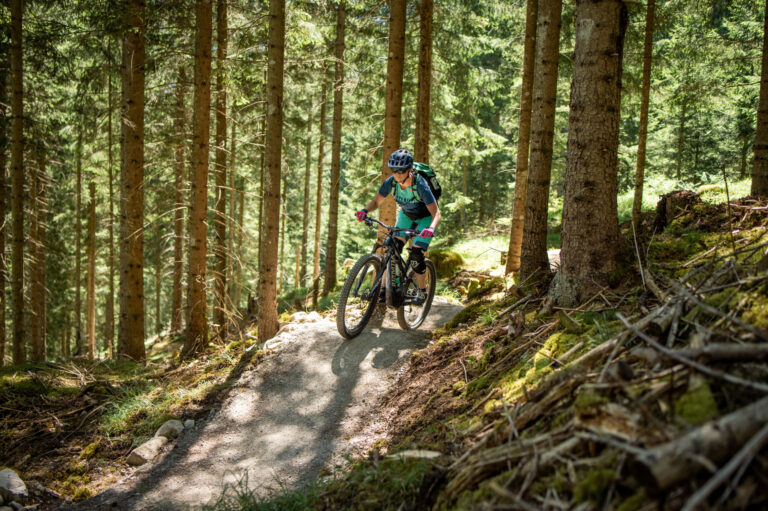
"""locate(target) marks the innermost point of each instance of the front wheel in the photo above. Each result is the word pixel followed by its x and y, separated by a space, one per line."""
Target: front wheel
pixel 409 316
pixel 359 296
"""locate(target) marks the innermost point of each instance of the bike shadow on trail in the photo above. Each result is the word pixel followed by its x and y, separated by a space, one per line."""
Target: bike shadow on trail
pixel 284 422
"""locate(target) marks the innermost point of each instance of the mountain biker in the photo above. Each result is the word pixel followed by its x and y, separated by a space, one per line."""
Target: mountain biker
pixel 418 210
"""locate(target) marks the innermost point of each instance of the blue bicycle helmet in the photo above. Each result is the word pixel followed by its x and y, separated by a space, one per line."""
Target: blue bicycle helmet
pixel 401 159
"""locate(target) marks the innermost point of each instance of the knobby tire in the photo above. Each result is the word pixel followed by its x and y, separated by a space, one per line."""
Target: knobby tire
pixel 343 317
pixel 401 311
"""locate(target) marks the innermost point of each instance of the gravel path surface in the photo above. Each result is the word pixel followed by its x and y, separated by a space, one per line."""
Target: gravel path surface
pixel 283 421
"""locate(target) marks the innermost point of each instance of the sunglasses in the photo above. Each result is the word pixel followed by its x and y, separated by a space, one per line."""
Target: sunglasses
pixel 400 171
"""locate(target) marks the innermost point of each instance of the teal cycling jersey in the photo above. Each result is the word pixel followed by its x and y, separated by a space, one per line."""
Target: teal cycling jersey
pixel 413 199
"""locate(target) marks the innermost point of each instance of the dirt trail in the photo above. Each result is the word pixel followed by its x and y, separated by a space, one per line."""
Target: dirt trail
pixel 283 421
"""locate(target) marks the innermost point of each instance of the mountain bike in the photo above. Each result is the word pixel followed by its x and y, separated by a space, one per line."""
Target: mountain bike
pixel 366 280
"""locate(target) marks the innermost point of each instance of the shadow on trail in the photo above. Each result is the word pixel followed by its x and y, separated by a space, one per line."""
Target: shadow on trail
pixel 281 424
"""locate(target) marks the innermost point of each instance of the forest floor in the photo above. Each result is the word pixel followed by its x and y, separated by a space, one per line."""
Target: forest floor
pixel 286 414
pixel 650 395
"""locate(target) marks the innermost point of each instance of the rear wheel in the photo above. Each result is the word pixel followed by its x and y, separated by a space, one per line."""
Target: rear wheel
pixel 358 296
pixel 411 316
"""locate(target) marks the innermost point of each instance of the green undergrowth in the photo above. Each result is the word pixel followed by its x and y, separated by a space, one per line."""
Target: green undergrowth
pixel 96 412
pixel 299 299
pixel 392 483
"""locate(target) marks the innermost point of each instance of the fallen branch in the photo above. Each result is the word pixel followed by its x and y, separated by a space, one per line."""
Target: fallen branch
pixel 762 387
pixel 711 310
pixel 743 457
pixel 673 462
pixel 727 352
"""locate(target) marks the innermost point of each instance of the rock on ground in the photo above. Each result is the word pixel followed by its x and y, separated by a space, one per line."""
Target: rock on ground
pixel 146 451
pixel 11 485
pixel 170 429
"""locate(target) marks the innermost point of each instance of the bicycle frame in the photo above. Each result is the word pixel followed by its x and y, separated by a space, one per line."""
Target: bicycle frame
pixel 394 290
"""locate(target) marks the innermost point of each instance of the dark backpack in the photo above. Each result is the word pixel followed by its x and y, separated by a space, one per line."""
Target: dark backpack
pixel 426 172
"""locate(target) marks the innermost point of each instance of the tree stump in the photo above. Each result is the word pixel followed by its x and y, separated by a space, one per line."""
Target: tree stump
pixel 672 204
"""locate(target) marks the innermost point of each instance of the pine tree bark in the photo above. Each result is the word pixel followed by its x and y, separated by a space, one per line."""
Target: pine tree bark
pixel 523 140
pixel 590 222
pixel 90 300
pixel 642 136
pixel 17 183
pixel 109 319
pixel 533 256
pixel 273 159
pixel 220 299
pixel 197 323
pixel 338 89
pixel 79 240
pixel 3 203
pixel 393 100
pixel 302 263
pixel 319 201
pixel 423 116
pixel 760 168
pixel 177 308
pixel 131 328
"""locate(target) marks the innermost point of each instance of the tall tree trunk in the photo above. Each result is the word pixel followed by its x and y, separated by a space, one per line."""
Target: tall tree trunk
pixel 220 299
pixel 37 349
pixel 197 323
pixel 760 169
pixel 3 203
pixel 305 222
pixel 17 183
pixel 131 329
pixel 421 136
pixel 177 308
pixel 90 300
pixel 590 221
pixel 273 159
pixel 394 100
pixel 533 257
pixel 338 84
pixel 235 227
pixel 637 204
pixel 79 239
pixel 523 140
pixel 319 200
pixel 109 320
pixel 681 139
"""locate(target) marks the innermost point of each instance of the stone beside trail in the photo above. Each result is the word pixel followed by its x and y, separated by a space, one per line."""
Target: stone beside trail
pixel 283 421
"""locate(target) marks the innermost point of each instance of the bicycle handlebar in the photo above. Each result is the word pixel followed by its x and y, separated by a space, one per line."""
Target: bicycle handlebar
pixel 409 232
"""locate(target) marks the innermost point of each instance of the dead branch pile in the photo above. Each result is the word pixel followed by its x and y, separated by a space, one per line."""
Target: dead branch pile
pixel 669 413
